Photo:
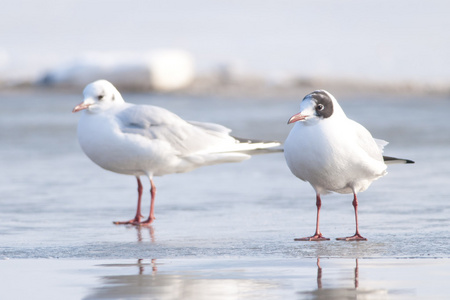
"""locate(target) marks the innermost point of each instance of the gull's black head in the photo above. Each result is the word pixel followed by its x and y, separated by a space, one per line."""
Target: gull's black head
pixel 324 103
pixel 317 106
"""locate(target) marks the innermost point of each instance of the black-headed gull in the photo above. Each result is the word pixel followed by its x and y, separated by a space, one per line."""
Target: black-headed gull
pixel 144 140
pixel 333 153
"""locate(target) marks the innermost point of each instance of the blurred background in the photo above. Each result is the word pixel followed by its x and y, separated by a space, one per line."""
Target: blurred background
pixel 233 47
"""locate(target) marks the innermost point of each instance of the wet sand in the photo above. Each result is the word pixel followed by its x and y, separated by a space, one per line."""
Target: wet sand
pixel 222 232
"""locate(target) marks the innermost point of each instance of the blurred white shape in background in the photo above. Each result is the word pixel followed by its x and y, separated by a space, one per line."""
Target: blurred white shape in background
pixel 4 58
pixel 161 70
pixel 171 70
pixel 4 62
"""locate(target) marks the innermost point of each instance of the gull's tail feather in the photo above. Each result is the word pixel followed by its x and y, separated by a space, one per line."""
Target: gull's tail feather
pixel 250 146
pixel 263 151
pixel 226 143
pixel 394 160
pixel 247 147
pixel 241 150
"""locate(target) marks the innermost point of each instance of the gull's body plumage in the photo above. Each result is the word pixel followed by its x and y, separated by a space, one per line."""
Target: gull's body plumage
pixel 332 152
pixel 128 139
pixel 144 140
pixel 336 155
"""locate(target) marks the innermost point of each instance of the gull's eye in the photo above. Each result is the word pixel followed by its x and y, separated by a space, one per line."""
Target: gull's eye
pixel 100 97
pixel 320 107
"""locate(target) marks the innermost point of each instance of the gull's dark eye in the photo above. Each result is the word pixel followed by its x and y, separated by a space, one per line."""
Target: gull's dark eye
pixel 320 107
pixel 100 97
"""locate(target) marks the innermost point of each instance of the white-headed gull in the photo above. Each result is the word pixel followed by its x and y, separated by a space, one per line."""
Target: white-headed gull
pixel 333 153
pixel 144 140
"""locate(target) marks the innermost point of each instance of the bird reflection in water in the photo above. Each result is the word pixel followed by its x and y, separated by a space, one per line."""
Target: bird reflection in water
pixel 140 230
pixel 319 274
pixel 142 266
pixel 345 292
pixel 197 283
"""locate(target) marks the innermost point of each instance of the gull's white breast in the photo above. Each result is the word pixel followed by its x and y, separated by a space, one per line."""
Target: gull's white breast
pixel 334 156
pixel 103 141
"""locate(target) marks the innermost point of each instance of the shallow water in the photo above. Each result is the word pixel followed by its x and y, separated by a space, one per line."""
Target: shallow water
pixel 276 278
pixel 224 220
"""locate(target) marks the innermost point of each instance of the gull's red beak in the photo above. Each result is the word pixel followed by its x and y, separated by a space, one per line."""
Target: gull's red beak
pixel 80 106
pixel 297 117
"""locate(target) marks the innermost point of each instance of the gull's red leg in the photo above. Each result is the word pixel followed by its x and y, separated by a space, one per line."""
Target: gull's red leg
pixel 137 218
pixel 318 235
pixel 151 216
pixel 357 236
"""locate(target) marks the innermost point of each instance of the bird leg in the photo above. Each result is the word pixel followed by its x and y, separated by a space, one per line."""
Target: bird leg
pixel 357 236
pixel 318 235
pixel 137 218
pixel 151 216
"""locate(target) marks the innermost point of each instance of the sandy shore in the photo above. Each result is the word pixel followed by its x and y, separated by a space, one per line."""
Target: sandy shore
pixel 216 85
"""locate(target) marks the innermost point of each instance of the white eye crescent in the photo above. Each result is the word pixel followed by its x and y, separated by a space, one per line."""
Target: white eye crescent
pixel 320 107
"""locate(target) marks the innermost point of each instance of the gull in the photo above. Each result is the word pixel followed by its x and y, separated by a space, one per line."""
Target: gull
pixel 333 153
pixel 144 140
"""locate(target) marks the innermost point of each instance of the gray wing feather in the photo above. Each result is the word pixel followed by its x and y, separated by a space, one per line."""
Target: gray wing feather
pixel 158 123
pixel 371 146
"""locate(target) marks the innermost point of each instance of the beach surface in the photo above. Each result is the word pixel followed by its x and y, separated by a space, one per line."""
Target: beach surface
pixel 225 231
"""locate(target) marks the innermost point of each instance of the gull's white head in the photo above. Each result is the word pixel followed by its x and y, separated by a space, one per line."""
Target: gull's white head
pixel 316 106
pixel 99 94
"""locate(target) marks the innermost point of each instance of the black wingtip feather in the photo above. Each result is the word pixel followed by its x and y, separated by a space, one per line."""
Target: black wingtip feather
pixel 393 159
